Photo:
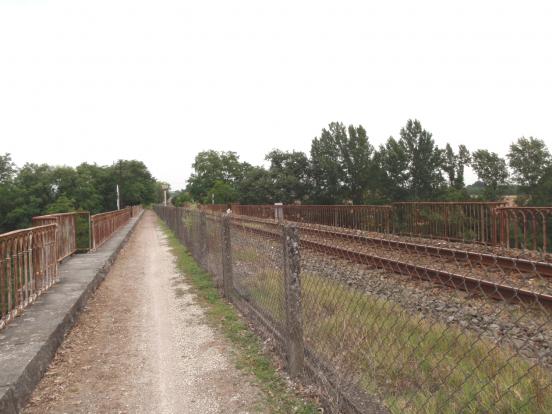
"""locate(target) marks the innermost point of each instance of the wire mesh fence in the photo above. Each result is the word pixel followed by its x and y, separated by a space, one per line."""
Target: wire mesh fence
pixel 379 322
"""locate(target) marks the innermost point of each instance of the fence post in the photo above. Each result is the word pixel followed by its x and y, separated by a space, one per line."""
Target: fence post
pixel 203 238
pixel 292 292
pixel 227 277
pixel 279 212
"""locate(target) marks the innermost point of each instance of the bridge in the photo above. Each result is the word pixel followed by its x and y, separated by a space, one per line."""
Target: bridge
pixel 410 307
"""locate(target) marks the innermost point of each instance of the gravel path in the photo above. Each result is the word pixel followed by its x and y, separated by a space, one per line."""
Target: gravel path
pixel 142 346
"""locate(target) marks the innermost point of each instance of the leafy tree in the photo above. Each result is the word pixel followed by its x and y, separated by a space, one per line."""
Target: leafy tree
pixel 36 191
pixel 491 170
pixel 40 189
pixel 223 192
pixel 393 163
pixel 326 172
pixel 8 191
pixel 529 159
pixel 424 161
pixel 542 191
pixel 212 166
pixel 93 190
pixel 411 166
pixel 179 198
pixel 357 158
pixel 136 184
pixel 454 164
pixel 7 168
pixel 341 160
pixel 62 204
pixel 256 187
pixel 463 158
pixel 289 175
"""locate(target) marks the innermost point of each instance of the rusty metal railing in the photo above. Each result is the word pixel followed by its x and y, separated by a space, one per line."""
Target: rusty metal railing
pixel 527 228
pixel 489 223
pixel 28 266
pixel 264 211
pixel 216 208
pixel 359 217
pixel 460 221
pixel 136 210
pixel 66 230
pixel 103 225
pixel 29 258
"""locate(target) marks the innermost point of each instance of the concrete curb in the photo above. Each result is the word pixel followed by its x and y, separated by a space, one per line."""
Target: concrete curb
pixel 28 345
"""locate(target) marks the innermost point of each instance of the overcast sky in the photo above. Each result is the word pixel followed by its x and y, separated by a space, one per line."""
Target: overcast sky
pixel 159 80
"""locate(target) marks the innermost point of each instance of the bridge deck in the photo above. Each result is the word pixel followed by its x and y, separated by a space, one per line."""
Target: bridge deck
pixel 142 345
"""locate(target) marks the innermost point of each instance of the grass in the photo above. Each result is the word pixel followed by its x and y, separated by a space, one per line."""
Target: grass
pixel 416 364
pixel 413 364
pixel 223 316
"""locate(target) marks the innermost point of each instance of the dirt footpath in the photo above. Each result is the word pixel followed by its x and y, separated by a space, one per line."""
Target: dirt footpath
pixel 142 346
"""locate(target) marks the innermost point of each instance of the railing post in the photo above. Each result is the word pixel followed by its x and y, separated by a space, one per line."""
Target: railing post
pixel 227 277
pixel 279 212
pixel 292 292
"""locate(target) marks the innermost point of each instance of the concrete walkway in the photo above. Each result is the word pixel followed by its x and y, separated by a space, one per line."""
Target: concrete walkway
pixel 142 345
pixel 29 343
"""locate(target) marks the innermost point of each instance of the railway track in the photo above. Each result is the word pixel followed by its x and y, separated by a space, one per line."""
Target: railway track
pixel 500 291
pixel 474 258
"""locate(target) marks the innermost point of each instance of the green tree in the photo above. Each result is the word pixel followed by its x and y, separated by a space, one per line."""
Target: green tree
pixel 424 161
pixel 357 158
pixel 393 165
pixel 7 168
pixel 528 158
pixel 256 187
pixel 212 166
pixel 93 188
pixel 289 174
pixel 491 170
pixel 542 191
pixel 222 193
pixel 40 189
pixel 454 165
pixel 179 198
pixel 136 184
pixel 410 167
pixel 341 160
pixel 8 191
pixel 62 204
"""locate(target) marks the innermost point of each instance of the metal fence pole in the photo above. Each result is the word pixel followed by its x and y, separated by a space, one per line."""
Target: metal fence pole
pixel 227 278
pixel 279 212
pixel 203 238
pixel 292 292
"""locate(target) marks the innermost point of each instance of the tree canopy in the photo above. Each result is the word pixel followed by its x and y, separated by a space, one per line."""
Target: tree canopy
pixel 344 167
pixel 36 189
pixel 491 170
pixel 529 159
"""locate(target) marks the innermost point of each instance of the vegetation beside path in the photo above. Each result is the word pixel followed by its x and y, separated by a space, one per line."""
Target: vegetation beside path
pixel 249 352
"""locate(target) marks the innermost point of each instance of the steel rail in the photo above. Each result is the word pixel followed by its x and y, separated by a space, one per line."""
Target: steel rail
pixel 476 258
pixel 469 284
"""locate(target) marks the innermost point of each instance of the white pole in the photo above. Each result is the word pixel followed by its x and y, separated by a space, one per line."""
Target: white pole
pixel 213 198
pixel 118 200
pixel 165 196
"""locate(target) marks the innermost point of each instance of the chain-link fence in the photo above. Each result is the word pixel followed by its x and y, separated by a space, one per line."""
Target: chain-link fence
pixel 378 322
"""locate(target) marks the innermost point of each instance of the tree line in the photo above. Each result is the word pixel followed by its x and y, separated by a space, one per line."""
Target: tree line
pixel 344 167
pixel 37 189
